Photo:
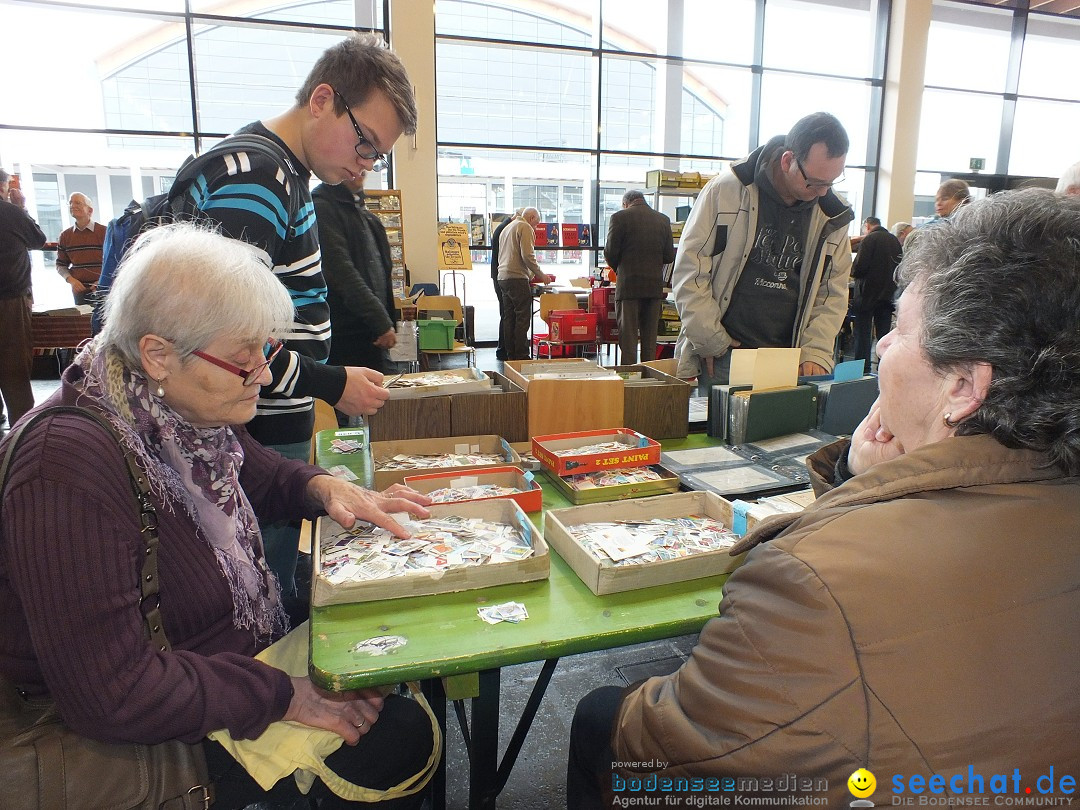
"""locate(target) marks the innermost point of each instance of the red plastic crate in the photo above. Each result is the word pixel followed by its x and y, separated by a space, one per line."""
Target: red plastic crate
pixel 548 349
pixel 572 326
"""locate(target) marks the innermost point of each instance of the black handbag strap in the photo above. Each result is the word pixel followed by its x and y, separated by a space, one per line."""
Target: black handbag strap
pixel 148 576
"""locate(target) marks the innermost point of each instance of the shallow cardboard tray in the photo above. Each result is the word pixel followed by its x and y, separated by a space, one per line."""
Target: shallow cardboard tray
pixel 617 492
pixel 458 380
pixel 602 577
pixel 450 444
pixel 530 499
pixel 641 451
pixel 426 584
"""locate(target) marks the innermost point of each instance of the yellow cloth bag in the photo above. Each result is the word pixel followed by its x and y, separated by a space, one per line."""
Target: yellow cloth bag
pixel 288 747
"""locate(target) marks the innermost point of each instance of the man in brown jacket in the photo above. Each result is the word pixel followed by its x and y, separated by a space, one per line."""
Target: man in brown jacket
pixel 637 247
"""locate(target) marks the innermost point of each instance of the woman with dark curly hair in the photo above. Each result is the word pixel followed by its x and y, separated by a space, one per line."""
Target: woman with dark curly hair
pixel 921 619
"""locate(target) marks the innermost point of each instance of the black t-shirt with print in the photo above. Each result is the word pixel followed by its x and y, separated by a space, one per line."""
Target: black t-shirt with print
pixel 765 300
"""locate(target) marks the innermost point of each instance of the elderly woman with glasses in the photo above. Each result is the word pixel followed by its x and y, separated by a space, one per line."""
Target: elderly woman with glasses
pixel 176 372
pixel 921 618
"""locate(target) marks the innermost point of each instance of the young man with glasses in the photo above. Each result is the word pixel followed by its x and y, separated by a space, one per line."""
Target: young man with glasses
pixel 355 103
pixel 764 258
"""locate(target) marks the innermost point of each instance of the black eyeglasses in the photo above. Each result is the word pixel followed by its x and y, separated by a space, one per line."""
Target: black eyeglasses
pixel 815 184
pixel 251 376
pixel 365 148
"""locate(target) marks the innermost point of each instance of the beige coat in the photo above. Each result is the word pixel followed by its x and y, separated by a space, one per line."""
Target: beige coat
pixel 920 619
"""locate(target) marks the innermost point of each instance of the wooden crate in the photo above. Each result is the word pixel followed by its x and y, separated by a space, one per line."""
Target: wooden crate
pixel 660 410
pixel 502 410
pixel 562 406
pixel 420 418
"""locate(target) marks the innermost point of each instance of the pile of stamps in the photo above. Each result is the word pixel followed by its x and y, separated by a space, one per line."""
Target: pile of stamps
pixel 471 493
pixel 408 461
pixel 368 552
pixel 593 449
pixel 627 542
pixel 421 380
pixel 611 478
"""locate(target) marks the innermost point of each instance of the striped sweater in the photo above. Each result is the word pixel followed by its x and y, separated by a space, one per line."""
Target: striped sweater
pixel 79 252
pixel 253 197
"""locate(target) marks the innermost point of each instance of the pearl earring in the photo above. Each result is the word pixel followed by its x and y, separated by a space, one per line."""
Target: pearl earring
pixel 160 389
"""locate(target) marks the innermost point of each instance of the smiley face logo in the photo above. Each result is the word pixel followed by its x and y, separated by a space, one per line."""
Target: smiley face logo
pixel 861 783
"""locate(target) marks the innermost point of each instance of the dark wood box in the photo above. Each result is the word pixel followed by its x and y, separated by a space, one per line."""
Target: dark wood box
pixel 660 410
pixel 503 411
pixel 416 418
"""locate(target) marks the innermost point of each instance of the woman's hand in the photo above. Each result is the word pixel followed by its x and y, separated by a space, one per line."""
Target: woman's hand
pixel 346 503
pixel 872 443
pixel 350 715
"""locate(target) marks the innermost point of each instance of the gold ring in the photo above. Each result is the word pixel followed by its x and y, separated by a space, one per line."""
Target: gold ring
pixel 362 723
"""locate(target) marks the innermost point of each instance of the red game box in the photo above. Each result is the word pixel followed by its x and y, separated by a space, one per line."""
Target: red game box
pixel 641 451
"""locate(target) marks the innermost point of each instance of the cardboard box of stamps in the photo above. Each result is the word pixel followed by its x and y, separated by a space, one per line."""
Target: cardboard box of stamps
pixel 615 485
pixel 438 383
pixel 567 394
pixel 461 547
pixel 592 450
pixel 655 403
pixel 673 523
pixel 482 485
pixel 392 461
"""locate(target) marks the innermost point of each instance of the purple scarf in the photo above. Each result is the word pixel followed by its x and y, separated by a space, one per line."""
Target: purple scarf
pixel 197 468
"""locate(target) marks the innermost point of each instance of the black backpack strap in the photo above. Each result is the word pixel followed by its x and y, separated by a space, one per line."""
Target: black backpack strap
pixel 148 577
pixel 245 141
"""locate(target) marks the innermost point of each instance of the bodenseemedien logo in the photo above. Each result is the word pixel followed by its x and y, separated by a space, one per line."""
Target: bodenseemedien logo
pixel 862 785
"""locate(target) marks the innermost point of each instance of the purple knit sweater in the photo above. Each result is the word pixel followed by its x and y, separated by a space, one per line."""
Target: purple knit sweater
pixel 70 623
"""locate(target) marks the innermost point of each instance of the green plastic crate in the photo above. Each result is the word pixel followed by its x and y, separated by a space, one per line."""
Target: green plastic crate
pixel 436 335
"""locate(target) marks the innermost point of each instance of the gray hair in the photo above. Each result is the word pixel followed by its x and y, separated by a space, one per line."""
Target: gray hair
pixel 355 67
pixel 899 227
pixel 189 284
pixel 631 197
pixel 1070 180
pixel 1000 284
pixel 85 198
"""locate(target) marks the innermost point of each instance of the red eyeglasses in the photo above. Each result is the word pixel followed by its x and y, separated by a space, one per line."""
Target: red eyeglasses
pixel 270 351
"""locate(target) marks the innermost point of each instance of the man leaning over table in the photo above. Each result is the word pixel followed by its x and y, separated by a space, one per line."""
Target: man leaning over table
pixel 517 267
pixel 78 257
pixel 764 258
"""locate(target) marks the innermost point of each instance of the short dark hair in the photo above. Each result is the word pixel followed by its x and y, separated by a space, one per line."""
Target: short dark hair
pixel 873 221
pixel 633 195
pixel 355 67
pixel 1000 284
pixel 819 127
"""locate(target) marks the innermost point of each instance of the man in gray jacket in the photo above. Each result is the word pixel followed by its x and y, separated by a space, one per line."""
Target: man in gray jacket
pixel 637 247
pixel 517 268
pixel 764 258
